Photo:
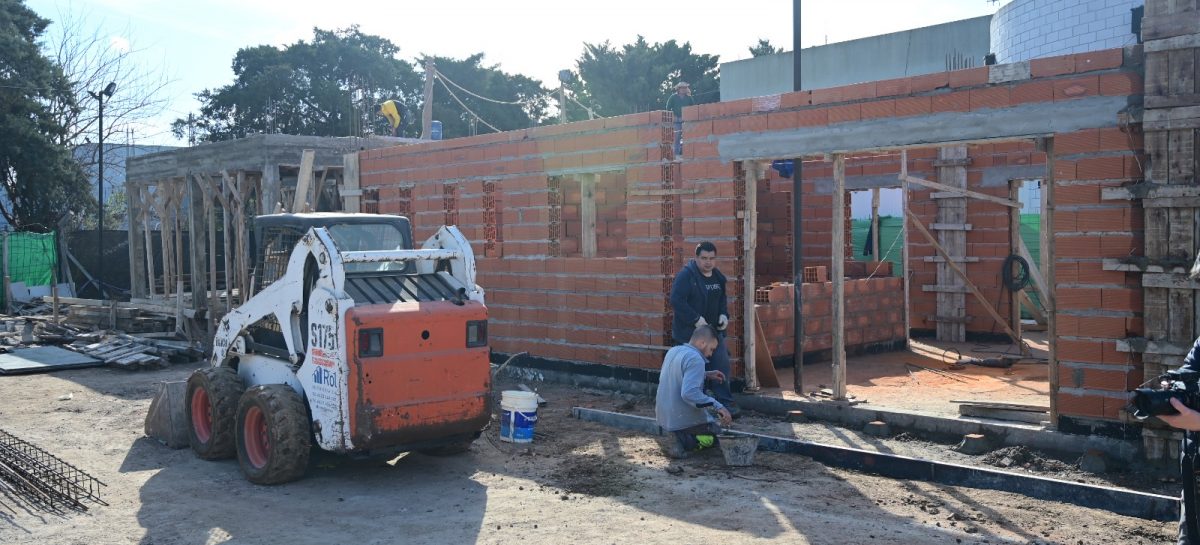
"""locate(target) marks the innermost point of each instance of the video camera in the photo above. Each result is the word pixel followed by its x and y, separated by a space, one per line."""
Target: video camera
pixel 1181 385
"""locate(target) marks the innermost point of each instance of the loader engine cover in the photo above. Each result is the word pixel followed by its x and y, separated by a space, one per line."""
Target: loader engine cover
pixel 419 371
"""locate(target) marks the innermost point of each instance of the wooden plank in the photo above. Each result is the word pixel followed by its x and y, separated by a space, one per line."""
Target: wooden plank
pixel 950 226
pixel 952 162
pixel 940 259
pixel 1162 119
pixel 959 192
pixel 1172 101
pixel 1181 163
pixel 662 192
pixel 1015 243
pixel 1039 280
pixel 904 260
pixel 135 209
pixel 1148 191
pixel 1003 414
pixel 876 250
pixel 587 214
pixel 987 305
pixel 1169 26
pixel 750 339
pixel 839 277
pixel 1034 309
pixel 303 180
pixel 1170 281
pixel 951 302
pixel 1140 345
pixel 764 367
pixel 934 288
pixel 1003 405
pixel 1112 264
pixel 1046 145
pixel 951 319
pixel 1185 41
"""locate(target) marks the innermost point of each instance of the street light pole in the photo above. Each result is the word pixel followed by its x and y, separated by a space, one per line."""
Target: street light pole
pixel 107 92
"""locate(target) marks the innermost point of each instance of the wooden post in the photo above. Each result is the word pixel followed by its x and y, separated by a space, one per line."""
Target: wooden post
pixel 148 206
pixel 135 209
pixel 240 193
pixel 875 225
pixel 1048 299
pixel 952 307
pixel 351 194
pixel 427 102
pixel 987 305
pixel 7 278
pixel 1014 229
pixel 838 276
pixel 749 243
pixel 905 240
pixel 225 191
pixel 587 214
pixel 270 189
pixel 198 247
pixel 303 181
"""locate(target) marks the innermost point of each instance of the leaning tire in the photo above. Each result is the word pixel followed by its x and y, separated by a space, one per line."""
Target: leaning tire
pixel 273 438
pixel 211 404
pixel 451 448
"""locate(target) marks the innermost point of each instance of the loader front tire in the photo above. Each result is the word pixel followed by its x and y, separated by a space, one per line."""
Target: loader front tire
pixel 273 439
pixel 211 404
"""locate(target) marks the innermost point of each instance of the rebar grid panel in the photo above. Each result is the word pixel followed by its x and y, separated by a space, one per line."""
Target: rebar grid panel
pixel 44 479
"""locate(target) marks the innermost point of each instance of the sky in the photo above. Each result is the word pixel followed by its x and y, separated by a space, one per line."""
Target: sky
pixel 193 43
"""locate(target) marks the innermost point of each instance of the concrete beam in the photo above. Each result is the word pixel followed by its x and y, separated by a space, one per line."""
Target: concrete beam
pixel 1013 123
pixel 1117 500
pixel 247 154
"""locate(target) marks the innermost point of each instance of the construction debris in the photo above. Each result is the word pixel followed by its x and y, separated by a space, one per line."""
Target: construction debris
pixel 42 480
pixel 129 352
pixel 130 317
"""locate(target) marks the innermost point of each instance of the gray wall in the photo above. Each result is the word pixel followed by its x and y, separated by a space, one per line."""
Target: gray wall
pixel 909 53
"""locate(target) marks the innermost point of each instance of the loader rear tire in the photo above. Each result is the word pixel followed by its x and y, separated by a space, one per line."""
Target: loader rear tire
pixel 452 448
pixel 273 439
pixel 211 404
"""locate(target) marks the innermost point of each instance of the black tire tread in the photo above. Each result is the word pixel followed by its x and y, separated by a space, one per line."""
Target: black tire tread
pixel 288 426
pixel 224 390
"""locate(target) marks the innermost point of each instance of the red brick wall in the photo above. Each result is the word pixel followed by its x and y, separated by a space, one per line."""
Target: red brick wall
pixel 514 196
pixel 584 309
pixel 874 315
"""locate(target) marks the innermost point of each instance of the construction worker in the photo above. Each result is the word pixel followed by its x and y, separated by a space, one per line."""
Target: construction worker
pixel 1188 420
pixel 681 407
pixel 676 103
pixel 391 111
pixel 698 299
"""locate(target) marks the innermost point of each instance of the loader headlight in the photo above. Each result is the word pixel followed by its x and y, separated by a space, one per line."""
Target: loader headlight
pixel 370 343
pixel 476 333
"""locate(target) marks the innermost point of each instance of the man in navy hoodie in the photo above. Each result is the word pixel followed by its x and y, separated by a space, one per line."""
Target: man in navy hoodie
pixel 698 298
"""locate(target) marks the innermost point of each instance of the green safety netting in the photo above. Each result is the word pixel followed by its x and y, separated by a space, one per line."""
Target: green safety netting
pixel 890 229
pixel 32 258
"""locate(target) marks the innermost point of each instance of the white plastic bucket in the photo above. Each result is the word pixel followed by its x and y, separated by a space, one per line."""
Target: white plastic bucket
pixel 518 416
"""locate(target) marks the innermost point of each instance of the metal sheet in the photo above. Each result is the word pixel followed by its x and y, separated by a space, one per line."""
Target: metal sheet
pixel 42 359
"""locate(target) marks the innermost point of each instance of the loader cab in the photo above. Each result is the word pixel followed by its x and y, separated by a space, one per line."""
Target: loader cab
pixel 276 235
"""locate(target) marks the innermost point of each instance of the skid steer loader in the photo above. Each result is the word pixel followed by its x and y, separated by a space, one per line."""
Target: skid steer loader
pixel 356 343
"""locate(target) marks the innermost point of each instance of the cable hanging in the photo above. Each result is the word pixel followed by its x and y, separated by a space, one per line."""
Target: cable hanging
pixel 464 106
pixel 442 76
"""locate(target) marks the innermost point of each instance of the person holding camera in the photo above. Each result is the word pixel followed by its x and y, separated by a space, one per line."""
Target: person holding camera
pixel 1188 420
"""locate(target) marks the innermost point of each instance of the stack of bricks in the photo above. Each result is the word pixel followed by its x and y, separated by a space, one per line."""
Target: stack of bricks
pixel 506 193
pixel 875 317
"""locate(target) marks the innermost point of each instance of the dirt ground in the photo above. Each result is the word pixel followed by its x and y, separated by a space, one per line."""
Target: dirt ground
pixel 578 482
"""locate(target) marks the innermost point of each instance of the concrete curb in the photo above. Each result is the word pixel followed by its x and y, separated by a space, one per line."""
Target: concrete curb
pixel 856 417
pixel 1120 501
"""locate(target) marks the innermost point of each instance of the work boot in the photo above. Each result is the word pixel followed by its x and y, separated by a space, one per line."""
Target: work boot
pixel 672 447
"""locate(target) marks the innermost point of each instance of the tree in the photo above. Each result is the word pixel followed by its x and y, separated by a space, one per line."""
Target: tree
pixel 505 101
pixel 326 87
pixel 764 47
pixel 91 60
pixel 40 179
pixel 639 77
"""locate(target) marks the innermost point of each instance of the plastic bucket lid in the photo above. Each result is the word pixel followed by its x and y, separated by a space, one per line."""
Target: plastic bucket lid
pixel 519 400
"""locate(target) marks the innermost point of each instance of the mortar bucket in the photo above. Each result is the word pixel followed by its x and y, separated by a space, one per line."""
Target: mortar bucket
pixel 738 449
pixel 518 416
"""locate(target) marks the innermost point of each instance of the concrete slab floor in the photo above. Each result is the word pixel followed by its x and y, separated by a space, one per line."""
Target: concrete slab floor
pixel 885 381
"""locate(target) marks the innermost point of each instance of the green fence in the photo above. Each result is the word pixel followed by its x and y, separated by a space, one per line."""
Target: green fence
pixel 32 258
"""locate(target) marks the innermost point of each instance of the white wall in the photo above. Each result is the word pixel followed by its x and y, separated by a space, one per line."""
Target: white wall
pixel 1030 29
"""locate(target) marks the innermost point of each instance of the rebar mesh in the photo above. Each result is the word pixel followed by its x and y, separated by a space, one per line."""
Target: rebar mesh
pixel 43 479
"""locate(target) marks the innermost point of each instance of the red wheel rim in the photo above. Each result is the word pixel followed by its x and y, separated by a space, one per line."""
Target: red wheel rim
pixel 254 431
pixel 201 415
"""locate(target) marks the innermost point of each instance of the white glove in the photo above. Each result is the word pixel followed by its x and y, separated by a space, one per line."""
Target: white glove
pixel 723 322
pixel 701 321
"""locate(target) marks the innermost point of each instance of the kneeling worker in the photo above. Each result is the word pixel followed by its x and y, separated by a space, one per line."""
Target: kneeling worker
pixel 682 408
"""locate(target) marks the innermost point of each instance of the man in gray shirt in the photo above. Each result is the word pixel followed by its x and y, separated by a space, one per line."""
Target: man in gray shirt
pixel 681 407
